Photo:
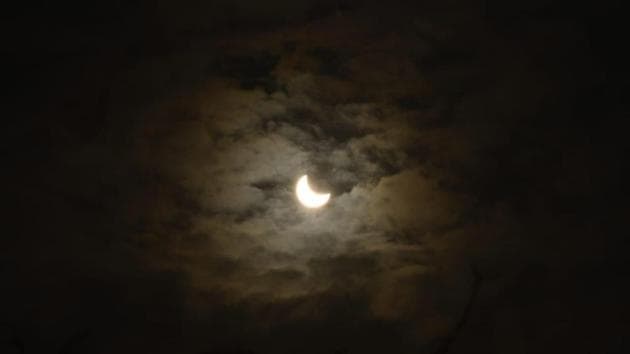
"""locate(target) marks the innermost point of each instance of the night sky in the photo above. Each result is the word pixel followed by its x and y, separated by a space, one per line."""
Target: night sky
pixel 474 151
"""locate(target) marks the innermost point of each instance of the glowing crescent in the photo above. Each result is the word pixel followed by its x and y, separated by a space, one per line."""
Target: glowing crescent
pixel 307 197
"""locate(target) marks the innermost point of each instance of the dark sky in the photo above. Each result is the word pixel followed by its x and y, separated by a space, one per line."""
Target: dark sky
pixel 474 151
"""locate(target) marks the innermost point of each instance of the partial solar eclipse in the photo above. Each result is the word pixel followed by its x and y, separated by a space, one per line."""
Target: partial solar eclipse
pixel 307 196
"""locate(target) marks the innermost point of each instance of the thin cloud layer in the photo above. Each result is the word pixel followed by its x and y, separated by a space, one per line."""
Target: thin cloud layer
pixel 234 149
pixel 435 133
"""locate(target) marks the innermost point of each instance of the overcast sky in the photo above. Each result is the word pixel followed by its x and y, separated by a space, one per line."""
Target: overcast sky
pixel 471 154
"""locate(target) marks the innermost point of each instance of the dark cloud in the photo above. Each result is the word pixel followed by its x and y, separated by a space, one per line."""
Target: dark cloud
pixel 156 210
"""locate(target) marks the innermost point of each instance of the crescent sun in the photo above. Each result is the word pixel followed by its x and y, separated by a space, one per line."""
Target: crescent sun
pixel 307 196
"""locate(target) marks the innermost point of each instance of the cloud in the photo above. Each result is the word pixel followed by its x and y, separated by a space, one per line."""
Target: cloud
pixel 411 202
pixel 444 141
pixel 235 152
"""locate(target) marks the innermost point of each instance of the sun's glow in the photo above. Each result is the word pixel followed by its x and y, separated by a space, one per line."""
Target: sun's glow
pixel 307 196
